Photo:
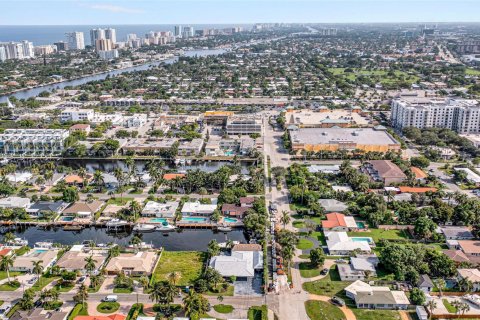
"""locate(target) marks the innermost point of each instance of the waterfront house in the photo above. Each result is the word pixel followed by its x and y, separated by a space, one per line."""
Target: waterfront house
pixel 74 259
pixel 332 205
pixel 160 210
pixel 198 209
pixel 40 207
pixel 338 222
pixel 15 202
pixel 372 297
pixel 243 262
pixel 190 148
pixel 83 210
pixel 339 244
pixel 25 263
pixel 134 264
pixel 473 275
pixel 233 210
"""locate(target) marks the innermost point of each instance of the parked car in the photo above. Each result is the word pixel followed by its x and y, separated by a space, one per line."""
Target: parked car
pixel 324 272
pixel 338 301
pixel 341 261
pixel 81 279
pixel 110 298
pixel 33 280
pixel 4 310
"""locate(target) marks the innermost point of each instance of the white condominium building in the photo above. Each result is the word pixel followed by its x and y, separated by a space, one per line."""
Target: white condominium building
pixel 77 114
pixel 33 141
pixel 17 50
pixel 460 115
pixel 75 40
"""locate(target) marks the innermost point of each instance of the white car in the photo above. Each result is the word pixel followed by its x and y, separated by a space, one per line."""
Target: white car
pixel 4 310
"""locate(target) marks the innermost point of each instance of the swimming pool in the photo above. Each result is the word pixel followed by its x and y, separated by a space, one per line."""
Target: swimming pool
pixel 230 220
pixel 194 219
pixel 360 239
pixel 68 218
pixel 158 220
pixel 361 225
pixel 37 252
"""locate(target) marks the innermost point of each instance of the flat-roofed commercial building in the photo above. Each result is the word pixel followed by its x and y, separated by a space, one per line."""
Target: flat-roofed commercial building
pixel 33 141
pixel 244 125
pixel 350 139
pixel 326 118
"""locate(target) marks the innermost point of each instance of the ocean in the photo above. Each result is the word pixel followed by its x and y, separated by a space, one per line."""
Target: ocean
pixel 41 35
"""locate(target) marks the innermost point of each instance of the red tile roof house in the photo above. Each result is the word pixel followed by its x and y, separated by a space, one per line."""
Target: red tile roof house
pixel 233 210
pixel 339 222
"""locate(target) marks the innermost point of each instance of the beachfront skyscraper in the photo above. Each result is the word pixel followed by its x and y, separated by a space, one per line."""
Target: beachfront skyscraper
pixel 75 40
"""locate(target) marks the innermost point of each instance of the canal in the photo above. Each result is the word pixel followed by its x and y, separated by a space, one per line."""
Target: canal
pixel 33 92
pixel 180 240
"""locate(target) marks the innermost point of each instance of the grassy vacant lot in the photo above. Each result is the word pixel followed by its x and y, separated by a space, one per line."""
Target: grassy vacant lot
pixel 328 286
pixel 188 263
pixel 308 271
pixel 304 244
pixel 364 314
pixel 223 308
pixel 377 234
pixel 320 310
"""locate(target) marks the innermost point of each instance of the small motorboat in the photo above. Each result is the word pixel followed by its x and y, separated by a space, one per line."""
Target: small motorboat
pixel 224 228
pixel 142 227
pixel 19 242
pixel 43 245
pixel 165 226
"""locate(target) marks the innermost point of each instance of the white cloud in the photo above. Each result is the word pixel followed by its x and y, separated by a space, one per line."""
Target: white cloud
pixel 114 8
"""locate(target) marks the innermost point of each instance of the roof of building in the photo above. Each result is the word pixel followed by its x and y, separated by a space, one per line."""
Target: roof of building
pixel 143 261
pixel 84 207
pixel 247 200
pixel 239 264
pixel 425 281
pixel 39 314
pixel 166 209
pixel 247 247
pixel 364 263
pixel 336 219
pixel 387 169
pixel 339 241
pixel 197 207
pixel 456 255
pixel 171 176
pixel 75 258
pixel 5 252
pixel 347 270
pixel 419 173
pixel 382 297
pixel 80 126
pixel 364 136
pixel 233 209
pixel 74 178
pixel 325 168
pixel 472 176
pixel 333 205
pixel 405 189
pixel 456 232
pixel 470 246
pixel 47 206
pixel 27 260
pixel 470 274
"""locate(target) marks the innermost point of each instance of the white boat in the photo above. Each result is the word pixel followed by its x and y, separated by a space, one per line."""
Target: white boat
pixel 142 227
pixel 4 161
pixel 19 242
pixel 116 223
pixel 43 245
pixel 141 245
pixel 224 228
pixel 165 227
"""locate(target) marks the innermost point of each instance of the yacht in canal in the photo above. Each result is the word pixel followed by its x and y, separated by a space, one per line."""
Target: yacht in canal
pixel 142 227
pixel 165 226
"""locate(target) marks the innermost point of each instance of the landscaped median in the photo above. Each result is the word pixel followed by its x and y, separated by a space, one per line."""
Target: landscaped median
pixel 108 307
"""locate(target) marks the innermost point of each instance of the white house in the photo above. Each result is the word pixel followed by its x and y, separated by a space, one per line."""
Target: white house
pixel 198 209
pixel 15 202
pixel 372 297
pixel 340 244
pixel 160 210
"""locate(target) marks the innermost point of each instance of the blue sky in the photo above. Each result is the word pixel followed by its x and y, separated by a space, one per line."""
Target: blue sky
pixel 68 12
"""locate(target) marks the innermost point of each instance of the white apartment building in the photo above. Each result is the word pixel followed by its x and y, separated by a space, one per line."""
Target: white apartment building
pixel 460 115
pixel 16 50
pixel 3 54
pixel 75 40
pixel 33 141
pixel 77 114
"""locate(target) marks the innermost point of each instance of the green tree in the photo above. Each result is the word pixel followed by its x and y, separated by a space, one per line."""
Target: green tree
pixel 417 297
pixel 317 257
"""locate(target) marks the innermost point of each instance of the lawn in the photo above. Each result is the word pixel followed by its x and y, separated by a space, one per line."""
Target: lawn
pixel 320 310
pixel 108 307
pixel 122 290
pixel 188 263
pixel 43 281
pixel 304 244
pixel 257 313
pixel 365 314
pixel 472 72
pixel 377 75
pixel 65 287
pixel 328 286
pixel 119 201
pixel 78 310
pixel 308 271
pixel 3 275
pixel 10 286
pixel 223 308
pixel 227 293
pixel 377 234
pixel 449 306
pixel 298 224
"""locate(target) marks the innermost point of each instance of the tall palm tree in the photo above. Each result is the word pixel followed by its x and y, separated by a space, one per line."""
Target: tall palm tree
pixel 98 178
pixel 195 304
pixel 431 305
pixel 37 268
pixel 285 219
pixel 6 262
pixel 174 277
pixel 90 264
pixel 8 237
pixel 82 295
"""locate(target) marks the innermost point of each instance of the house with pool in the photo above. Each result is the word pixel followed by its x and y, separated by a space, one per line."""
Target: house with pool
pixel 39 208
pixel 25 263
pixel 198 209
pixel 340 244
pixel 159 212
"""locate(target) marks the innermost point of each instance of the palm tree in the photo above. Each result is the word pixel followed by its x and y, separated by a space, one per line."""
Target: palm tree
pixel 6 263
pixel 440 283
pixel 98 178
pixel 37 268
pixel 135 209
pixel 90 264
pixel 8 237
pixel 195 304
pixel 144 282
pixel 82 295
pixel 174 277
pixel 285 219
pixel 431 305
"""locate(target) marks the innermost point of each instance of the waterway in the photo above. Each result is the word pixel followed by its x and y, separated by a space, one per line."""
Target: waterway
pixel 181 240
pixel 33 92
